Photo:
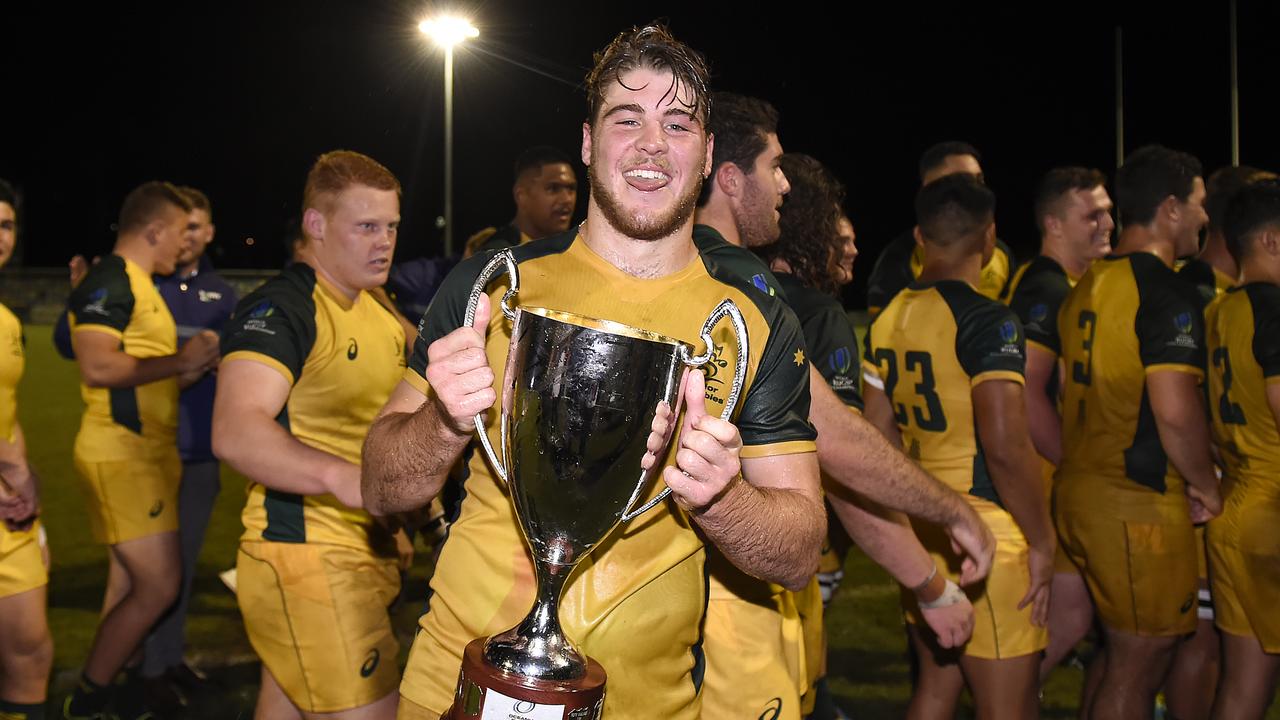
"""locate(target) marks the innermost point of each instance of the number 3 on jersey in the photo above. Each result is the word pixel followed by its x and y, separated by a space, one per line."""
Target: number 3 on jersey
pixel 1082 370
pixel 930 417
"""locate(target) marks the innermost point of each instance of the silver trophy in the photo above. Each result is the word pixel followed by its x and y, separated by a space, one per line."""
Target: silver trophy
pixel 579 397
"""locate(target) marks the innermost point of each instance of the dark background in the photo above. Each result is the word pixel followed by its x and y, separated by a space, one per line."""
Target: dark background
pixel 237 98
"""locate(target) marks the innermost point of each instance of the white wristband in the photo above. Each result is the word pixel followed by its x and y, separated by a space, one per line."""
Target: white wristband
pixel 951 594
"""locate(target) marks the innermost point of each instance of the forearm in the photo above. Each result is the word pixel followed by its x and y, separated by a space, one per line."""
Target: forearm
pixel 770 533
pixel 859 458
pixel 263 451
pixel 1045 426
pixel 1016 477
pixel 121 370
pixel 1186 442
pixel 407 458
pixel 886 537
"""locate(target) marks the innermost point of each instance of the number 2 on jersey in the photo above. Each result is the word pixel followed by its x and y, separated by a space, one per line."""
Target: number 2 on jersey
pixel 1231 413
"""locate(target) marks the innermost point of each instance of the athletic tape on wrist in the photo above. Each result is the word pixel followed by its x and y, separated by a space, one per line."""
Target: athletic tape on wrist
pixel 951 594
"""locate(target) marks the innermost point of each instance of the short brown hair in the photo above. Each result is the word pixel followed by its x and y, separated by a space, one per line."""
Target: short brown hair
pixel 338 170
pixel 652 46
pixel 148 200
pixel 198 200
pixel 1057 183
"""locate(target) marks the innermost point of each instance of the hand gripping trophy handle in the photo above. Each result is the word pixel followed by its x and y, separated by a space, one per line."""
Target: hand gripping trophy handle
pixel 496 265
pixel 728 309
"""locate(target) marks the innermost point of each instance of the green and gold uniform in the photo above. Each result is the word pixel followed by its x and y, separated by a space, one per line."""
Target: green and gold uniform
pixel 763 644
pixel 1035 295
pixel 21 566
pixel 1243 336
pixel 637 602
pixel 126 451
pixel 1120 507
pixel 315 577
pixel 930 347
pixel 901 261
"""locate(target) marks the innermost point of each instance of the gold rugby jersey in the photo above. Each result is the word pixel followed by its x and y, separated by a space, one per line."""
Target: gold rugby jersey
pixel 1243 338
pixel 342 358
pixel 117 297
pixel 901 261
pixel 12 363
pixel 1128 316
pixel 929 348
pixel 636 602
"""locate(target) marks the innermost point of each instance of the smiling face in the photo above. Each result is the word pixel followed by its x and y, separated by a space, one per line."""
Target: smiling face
pixel 646 155
pixel 353 239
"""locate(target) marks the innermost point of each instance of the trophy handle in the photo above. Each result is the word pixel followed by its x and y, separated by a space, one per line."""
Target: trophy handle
pixel 725 309
pixel 492 269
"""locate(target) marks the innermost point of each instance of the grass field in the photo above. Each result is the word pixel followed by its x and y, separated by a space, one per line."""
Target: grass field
pixel 868 663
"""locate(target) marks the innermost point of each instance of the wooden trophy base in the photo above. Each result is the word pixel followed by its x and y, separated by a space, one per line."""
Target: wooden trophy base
pixel 486 692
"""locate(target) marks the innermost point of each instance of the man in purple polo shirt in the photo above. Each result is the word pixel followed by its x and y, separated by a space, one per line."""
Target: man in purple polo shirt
pixel 198 300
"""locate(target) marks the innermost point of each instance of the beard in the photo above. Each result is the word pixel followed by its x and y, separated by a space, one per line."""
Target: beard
pixel 757 226
pixel 652 226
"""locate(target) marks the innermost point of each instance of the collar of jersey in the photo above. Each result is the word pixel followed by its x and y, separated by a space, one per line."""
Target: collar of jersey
pixel 334 293
pixel 616 275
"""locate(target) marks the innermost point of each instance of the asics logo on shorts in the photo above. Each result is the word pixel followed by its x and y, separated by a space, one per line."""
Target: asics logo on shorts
pixel 773 710
pixel 156 509
pixel 352 350
pixel 370 663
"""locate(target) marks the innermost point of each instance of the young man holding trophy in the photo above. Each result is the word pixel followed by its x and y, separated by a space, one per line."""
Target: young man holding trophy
pixel 749 487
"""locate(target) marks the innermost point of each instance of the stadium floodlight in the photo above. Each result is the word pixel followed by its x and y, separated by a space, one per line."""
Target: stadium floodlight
pixel 447 31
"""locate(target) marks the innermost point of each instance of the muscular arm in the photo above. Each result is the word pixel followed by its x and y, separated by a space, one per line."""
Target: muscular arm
pixel 1042 414
pixel 247 437
pixel 18 484
pixel 770 522
pixel 1178 407
pixel 407 453
pixel 416 439
pixel 861 459
pixel 1000 415
pixel 104 364
pixel 900 552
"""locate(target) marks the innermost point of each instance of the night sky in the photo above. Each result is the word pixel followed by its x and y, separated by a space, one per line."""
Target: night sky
pixel 237 98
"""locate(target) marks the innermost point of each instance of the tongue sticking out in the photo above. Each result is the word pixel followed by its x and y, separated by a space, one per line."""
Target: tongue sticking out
pixel 646 180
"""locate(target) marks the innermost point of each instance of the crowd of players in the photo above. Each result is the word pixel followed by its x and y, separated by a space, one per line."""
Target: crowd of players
pixel 1090 437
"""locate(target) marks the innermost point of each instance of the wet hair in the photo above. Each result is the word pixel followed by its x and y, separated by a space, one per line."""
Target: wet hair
pixel 652 46
pixel 1149 175
pixel 1222 184
pixel 954 208
pixel 146 202
pixel 198 200
pixel 1253 208
pixel 741 126
pixel 1057 183
pixel 809 217
pixel 936 155
pixel 538 156
pixel 338 170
